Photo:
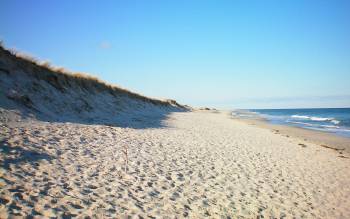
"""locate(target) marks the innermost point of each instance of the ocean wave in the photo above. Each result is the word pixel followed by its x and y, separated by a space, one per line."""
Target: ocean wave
pixel 327 128
pixel 330 126
pixel 314 125
pixel 320 119
pixel 336 122
pixel 300 117
pixel 317 119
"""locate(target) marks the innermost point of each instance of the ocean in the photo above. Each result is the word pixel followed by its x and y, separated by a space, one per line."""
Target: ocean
pixel 333 120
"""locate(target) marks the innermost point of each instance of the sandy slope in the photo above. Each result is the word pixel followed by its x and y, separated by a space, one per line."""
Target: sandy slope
pixel 49 94
pixel 200 164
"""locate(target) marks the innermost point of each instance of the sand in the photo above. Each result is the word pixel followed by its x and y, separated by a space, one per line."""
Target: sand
pixel 197 164
pixel 324 139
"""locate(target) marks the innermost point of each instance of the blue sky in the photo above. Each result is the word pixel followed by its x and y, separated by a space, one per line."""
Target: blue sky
pixel 226 54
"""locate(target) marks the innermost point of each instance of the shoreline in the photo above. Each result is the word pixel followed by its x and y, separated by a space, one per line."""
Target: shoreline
pixel 328 140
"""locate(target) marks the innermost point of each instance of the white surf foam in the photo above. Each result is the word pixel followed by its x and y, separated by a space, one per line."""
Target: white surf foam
pixel 300 117
pixel 314 118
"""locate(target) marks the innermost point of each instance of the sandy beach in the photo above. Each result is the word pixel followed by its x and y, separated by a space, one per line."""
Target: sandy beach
pixel 197 164
pixel 324 139
pixel 174 109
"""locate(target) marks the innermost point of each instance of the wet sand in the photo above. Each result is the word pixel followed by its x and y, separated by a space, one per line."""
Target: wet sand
pixel 324 139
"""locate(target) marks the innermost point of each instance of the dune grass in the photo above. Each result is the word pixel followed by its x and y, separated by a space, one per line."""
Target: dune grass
pixel 63 79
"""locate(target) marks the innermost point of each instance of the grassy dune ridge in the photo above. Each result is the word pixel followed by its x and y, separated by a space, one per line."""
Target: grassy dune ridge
pixel 64 79
pixel 54 93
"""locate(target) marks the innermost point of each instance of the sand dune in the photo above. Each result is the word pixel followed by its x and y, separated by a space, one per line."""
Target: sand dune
pixel 199 164
pixel 31 89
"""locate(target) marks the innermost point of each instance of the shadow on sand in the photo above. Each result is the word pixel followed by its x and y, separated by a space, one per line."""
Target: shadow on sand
pixel 135 119
pixel 18 155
